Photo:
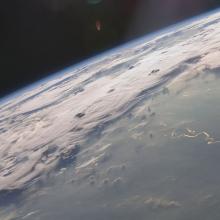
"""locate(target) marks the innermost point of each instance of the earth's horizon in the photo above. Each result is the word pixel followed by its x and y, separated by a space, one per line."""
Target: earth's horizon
pixel 130 134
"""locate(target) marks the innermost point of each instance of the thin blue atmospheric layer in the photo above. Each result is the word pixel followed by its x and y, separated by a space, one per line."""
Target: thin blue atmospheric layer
pixel 103 54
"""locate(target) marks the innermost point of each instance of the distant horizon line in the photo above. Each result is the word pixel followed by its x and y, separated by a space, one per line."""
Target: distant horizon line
pixel 94 57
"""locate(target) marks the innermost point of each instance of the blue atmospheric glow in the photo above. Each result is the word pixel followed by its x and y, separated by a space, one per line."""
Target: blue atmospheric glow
pixel 106 53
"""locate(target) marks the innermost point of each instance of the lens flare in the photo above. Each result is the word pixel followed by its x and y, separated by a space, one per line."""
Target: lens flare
pixel 98 25
pixel 94 2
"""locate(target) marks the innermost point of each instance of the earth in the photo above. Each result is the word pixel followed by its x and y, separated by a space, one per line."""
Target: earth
pixel 130 134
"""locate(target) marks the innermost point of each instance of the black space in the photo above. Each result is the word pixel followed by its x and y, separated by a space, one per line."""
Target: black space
pixel 39 37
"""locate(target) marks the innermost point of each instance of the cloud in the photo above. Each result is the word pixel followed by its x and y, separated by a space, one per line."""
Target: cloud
pixel 161 203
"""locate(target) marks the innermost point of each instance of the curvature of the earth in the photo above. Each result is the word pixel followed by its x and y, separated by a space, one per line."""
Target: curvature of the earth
pixel 84 118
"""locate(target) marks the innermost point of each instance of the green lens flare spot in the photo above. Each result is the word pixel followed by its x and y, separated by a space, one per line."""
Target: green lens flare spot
pixel 94 2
